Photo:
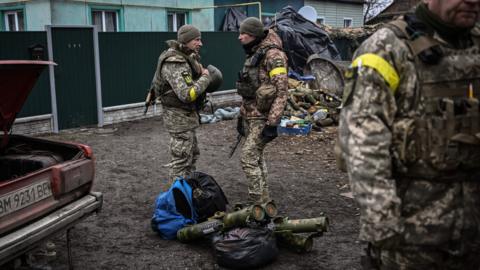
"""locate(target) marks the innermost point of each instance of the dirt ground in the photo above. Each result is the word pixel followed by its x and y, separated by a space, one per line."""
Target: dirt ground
pixel 303 179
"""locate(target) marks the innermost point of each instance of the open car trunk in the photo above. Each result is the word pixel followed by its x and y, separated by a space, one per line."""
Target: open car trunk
pixel 23 155
pixel 45 186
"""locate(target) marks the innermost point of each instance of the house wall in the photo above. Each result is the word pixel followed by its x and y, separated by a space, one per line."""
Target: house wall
pixel 134 15
pixel 269 7
pixel 335 12
pixel 38 14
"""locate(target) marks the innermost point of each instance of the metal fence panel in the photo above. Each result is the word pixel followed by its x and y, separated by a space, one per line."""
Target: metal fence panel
pixel 15 46
pixel 73 51
pixel 223 50
pixel 128 61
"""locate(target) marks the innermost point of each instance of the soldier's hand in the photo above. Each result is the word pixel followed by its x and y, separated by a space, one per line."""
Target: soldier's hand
pixel 205 72
pixel 269 133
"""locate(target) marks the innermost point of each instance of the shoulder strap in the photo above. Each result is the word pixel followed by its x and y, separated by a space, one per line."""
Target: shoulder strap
pixel 260 54
pixel 417 41
pixel 169 53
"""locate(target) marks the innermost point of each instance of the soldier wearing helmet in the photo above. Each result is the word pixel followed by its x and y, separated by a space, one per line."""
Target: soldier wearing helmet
pixel 263 86
pixel 409 135
pixel 180 81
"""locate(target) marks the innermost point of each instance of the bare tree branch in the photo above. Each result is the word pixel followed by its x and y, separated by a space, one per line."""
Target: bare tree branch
pixel 372 7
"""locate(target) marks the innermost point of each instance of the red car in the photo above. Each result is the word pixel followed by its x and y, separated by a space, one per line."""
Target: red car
pixel 45 186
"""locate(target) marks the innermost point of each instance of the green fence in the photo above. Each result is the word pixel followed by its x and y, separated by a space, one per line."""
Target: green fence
pixel 15 46
pixel 127 64
pixel 223 50
pixel 128 61
pixel 75 82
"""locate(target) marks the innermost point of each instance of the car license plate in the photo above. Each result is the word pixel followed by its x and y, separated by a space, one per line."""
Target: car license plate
pixel 24 197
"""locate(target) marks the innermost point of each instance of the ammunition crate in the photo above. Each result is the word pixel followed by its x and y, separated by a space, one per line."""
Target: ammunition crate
pixel 288 131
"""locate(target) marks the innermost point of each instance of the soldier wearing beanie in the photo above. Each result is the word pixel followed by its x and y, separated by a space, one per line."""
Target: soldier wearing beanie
pixel 263 86
pixel 180 82
pixel 253 27
pixel 187 33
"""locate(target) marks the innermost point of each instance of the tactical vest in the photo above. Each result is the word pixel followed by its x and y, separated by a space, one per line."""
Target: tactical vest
pixel 166 93
pixel 443 136
pixel 248 79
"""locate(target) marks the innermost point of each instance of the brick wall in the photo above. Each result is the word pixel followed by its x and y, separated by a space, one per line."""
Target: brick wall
pixel 42 124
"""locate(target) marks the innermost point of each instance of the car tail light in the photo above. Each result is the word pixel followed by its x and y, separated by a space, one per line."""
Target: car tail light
pixel 67 178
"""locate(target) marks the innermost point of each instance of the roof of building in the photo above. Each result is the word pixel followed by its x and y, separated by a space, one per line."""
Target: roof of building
pixel 397 7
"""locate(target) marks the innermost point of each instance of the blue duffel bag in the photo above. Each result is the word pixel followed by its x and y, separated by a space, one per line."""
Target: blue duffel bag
pixel 173 210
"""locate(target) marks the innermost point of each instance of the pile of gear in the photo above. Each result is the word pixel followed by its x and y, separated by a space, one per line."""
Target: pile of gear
pixel 316 106
pixel 247 237
pixel 227 113
pixel 351 33
pixel 316 96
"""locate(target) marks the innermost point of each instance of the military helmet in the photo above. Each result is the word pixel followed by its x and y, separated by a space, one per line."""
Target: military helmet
pixel 216 79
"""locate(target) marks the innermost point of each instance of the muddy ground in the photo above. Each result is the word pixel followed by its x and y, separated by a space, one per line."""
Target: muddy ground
pixel 303 178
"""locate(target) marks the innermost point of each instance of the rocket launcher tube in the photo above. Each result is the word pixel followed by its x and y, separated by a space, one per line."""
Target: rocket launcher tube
pixel 298 243
pixel 309 225
pixel 270 209
pixel 222 221
pixel 198 231
pixel 242 217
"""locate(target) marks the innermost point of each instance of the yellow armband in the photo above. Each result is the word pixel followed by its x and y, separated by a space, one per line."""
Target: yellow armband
pixel 277 71
pixel 193 94
pixel 380 65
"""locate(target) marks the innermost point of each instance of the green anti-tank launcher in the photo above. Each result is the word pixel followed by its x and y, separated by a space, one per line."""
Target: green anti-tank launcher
pixel 287 231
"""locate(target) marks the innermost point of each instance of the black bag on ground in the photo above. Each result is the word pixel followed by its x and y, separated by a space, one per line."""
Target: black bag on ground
pixel 245 248
pixel 208 196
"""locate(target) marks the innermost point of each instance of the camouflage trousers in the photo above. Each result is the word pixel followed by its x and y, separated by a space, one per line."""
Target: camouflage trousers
pixel 184 153
pixel 420 258
pixel 253 161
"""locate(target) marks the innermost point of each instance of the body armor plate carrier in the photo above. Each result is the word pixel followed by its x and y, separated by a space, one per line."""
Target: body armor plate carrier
pixel 248 79
pixel 444 135
pixel 166 93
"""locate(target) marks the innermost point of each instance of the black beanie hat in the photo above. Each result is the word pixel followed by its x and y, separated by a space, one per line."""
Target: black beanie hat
pixel 252 26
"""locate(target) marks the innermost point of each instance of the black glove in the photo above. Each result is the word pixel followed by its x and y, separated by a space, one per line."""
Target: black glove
pixel 240 127
pixel 269 133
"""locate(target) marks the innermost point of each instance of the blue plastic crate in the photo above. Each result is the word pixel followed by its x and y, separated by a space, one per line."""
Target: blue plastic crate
pixel 295 131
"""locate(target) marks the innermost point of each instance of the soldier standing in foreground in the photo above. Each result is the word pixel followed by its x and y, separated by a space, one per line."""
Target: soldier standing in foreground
pixel 263 86
pixel 180 81
pixel 410 138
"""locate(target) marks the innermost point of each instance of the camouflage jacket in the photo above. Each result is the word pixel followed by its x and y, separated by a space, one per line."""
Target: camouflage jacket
pixel 274 58
pixel 178 82
pixel 421 211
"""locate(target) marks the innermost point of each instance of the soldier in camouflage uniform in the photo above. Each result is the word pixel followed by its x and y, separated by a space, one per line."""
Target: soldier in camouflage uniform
pixel 409 135
pixel 263 86
pixel 180 81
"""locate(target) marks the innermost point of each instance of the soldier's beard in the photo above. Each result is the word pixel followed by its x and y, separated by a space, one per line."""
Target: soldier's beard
pixel 186 50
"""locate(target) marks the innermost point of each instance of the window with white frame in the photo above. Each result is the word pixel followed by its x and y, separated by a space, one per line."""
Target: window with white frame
pixel 107 20
pixel 320 20
pixel 176 20
pixel 347 22
pixel 13 20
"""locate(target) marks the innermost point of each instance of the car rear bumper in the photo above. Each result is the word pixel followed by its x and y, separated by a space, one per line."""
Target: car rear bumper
pixel 29 236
